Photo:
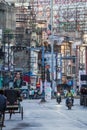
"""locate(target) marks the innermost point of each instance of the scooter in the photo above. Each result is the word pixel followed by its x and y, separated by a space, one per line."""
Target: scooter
pixel 58 98
pixel 69 103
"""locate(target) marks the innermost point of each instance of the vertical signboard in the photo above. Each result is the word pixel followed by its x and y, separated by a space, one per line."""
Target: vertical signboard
pixel 48 91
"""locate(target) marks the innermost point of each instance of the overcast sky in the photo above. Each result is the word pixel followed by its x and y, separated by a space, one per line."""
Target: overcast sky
pixel 9 0
pixel 13 0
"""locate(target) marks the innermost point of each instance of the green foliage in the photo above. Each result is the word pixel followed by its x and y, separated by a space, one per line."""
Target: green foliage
pixel 9 34
pixel 7 31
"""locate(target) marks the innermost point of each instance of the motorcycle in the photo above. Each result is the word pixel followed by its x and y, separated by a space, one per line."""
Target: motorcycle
pixel 69 102
pixel 58 98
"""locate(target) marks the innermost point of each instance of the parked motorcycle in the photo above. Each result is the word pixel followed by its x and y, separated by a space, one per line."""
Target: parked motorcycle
pixel 69 102
pixel 58 98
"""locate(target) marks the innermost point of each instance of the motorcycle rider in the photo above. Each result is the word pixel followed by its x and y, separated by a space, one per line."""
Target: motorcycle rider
pixel 58 94
pixel 69 94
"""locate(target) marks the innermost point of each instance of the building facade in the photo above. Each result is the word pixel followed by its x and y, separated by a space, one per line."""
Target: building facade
pixel 7 27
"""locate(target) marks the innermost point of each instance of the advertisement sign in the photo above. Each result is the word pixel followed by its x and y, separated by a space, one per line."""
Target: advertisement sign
pixel 48 91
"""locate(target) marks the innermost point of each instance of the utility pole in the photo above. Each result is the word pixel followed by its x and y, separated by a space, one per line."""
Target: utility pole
pixel 52 48
pixel 43 76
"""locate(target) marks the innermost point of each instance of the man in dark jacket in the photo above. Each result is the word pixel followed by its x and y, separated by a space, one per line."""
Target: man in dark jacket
pixel 3 102
pixel 18 80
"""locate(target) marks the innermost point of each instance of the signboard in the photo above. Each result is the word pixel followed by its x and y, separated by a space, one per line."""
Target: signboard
pixel 48 91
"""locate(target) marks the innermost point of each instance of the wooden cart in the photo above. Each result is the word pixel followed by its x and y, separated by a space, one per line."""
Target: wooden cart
pixel 13 102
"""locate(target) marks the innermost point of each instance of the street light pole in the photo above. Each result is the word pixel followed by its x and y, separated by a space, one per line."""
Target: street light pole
pixel 43 76
pixel 52 48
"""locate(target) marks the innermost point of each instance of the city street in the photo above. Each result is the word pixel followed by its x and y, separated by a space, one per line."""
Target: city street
pixel 43 51
pixel 48 116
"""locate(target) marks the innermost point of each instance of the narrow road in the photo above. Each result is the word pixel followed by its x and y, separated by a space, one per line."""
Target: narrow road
pixel 48 116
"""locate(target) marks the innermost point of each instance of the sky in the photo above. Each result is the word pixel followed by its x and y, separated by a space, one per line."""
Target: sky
pixel 9 0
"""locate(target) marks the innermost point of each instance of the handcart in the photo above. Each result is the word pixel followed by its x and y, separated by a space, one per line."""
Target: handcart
pixel 13 102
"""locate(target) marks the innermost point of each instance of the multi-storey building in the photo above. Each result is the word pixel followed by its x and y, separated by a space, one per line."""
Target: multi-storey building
pixel 7 13
pixel 25 34
pixel 7 27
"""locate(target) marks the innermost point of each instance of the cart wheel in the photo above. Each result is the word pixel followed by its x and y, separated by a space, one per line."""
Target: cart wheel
pixel 21 113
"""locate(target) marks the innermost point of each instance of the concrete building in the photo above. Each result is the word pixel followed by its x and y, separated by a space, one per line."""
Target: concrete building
pixel 7 29
pixel 69 21
pixel 7 14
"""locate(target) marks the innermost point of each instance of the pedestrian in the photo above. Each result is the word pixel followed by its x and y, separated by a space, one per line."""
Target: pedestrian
pixel 3 103
pixel 18 80
pixel 77 90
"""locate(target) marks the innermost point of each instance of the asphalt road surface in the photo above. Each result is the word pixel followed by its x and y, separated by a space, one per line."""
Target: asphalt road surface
pixel 48 116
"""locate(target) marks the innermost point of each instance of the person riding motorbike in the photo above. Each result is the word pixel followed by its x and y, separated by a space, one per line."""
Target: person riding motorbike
pixel 69 94
pixel 58 94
